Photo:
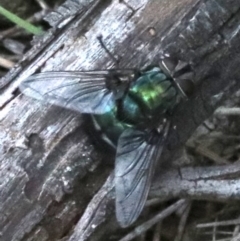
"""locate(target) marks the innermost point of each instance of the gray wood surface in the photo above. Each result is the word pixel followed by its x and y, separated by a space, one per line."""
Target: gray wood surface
pixel 49 168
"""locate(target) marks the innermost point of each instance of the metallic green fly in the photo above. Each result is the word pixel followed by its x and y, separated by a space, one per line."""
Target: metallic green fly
pixel 131 107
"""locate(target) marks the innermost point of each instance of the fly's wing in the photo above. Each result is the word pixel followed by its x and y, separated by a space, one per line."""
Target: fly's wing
pixel 134 168
pixel 85 92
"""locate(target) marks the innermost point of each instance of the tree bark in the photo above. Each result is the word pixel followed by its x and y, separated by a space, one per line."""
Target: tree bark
pixel 49 169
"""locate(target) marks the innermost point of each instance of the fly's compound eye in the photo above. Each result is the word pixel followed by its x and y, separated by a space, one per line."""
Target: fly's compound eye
pixel 168 65
pixel 181 73
pixel 186 86
pixel 183 79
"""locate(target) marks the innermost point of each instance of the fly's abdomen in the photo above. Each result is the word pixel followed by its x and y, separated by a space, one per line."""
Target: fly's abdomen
pixel 109 126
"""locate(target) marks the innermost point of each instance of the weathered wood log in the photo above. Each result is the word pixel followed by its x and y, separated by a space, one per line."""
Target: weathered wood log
pixel 49 168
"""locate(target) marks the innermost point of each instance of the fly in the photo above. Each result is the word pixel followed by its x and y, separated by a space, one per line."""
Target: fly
pixel 131 107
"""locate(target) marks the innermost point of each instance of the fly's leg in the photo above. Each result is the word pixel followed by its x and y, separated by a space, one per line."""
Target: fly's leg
pixel 114 59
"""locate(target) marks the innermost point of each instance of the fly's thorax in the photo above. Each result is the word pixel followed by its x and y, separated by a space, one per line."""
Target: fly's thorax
pixel 153 93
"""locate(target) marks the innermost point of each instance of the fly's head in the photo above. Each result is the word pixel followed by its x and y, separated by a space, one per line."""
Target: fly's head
pixel 181 73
